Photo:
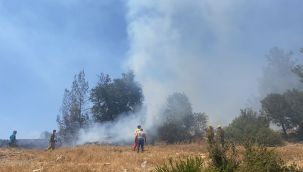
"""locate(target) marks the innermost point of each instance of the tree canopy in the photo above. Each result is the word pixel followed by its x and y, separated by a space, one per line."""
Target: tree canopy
pixel 178 122
pixel 111 98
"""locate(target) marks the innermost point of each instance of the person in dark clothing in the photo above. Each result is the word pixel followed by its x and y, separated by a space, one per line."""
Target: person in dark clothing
pixel 210 135
pixel 13 139
pixel 141 140
pixel 220 136
pixel 52 141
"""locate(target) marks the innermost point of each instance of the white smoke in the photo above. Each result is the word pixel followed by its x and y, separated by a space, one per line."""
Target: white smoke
pixel 183 46
pixel 278 75
pixel 195 47
pixel 120 131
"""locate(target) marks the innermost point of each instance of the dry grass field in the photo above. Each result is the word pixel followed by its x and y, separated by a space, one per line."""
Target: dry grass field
pixel 111 158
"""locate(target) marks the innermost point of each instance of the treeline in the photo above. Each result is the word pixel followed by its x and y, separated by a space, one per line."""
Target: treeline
pixel 105 102
pixel 282 108
pixel 111 99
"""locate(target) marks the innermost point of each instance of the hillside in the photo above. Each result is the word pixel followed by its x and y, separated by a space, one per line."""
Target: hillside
pixel 110 158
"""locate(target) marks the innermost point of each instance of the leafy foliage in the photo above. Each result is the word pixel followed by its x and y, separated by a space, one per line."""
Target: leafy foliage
pixel 278 111
pixel 112 98
pixel 285 110
pixel 178 122
pixel 227 159
pixel 250 126
pixel 74 111
pixel 263 159
pixel 294 99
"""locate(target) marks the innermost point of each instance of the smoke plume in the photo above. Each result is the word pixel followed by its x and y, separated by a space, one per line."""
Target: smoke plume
pixel 211 51
pixel 183 46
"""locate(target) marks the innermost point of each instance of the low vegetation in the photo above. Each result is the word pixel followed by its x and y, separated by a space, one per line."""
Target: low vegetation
pixel 227 159
pixel 106 158
pixel 253 127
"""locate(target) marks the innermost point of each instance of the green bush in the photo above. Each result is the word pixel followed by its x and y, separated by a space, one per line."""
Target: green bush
pixel 263 159
pixel 250 126
pixel 189 164
pixel 226 159
pixel 223 158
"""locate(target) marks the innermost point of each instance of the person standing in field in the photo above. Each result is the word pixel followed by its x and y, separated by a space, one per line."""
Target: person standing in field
pixel 52 141
pixel 138 129
pixel 13 139
pixel 210 135
pixel 141 140
pixel 220 136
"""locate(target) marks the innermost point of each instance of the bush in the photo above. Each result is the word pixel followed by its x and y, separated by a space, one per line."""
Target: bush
pixel 250 126
pixel 226 159
pixel 262 159
pixel 178 123
pixel 223 157
pixel 189 164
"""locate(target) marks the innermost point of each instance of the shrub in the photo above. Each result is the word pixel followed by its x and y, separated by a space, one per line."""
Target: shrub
pixel 223 158
pixel 262 159
pixel 178 123
pixel 189 164
pixel 226 159
pixel 250 126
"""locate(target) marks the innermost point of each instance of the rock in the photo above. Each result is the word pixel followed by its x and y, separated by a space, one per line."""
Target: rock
pixel 143 164
pixel 203 156
pixel 106 163
pixel 60 158
pixel 38 170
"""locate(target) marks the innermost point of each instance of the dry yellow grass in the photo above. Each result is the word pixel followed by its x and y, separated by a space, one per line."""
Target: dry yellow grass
pixel 92 158
pixel 292 153
pixel 110 158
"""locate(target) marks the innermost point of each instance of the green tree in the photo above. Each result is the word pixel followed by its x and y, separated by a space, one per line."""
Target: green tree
pixel 200 124
pixel 252 127
pixel 294 99
pixel 112 98
pixel 178 123
pixel 278 111
pixel 74 110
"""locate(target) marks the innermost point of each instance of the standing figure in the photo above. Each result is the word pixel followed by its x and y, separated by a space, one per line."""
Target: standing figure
pixel 13 139
pixel 220 136
pixel 52 141
pixel 141 140
pixel 210 135
pixel 138 129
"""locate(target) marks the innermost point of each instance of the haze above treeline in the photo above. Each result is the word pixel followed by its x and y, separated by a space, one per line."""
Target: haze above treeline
pixel 212 52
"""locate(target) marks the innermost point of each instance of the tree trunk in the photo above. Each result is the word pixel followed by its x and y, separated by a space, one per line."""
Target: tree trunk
pixel 284 130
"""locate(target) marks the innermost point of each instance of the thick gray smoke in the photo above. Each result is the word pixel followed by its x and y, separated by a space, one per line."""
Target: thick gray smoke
pixel 183 46
pixel 212 51
pixel 278 75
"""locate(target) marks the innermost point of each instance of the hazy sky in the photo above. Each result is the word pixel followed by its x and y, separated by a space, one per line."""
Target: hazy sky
pixel 211 50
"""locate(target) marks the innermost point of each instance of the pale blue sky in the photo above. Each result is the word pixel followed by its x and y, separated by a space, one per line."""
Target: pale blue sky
pixel 43 43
